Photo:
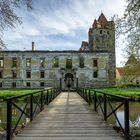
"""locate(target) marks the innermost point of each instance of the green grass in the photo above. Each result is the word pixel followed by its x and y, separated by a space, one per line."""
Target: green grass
pixel 133 93
pixel 14 92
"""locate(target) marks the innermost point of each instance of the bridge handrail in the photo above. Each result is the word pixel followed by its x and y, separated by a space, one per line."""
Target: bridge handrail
pixel 25 94
pixel 113 95
pixel 45 97
pixel 101 101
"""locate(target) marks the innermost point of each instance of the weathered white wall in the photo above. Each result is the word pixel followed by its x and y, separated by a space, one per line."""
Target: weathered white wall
pixel 53 75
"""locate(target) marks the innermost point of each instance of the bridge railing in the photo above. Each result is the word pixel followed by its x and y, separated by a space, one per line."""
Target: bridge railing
pixel 33 104
pixel 101 101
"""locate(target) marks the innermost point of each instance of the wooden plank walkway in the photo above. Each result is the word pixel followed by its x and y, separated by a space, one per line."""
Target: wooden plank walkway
pixel 68 117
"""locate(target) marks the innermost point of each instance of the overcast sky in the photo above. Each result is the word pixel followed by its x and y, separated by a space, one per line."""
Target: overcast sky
pixel 61 24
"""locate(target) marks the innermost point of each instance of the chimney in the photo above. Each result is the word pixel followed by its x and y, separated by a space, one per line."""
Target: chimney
pixel 33 46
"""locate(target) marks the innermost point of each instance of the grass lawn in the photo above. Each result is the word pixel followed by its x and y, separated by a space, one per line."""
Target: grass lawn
pixel 133 93
pixel 13 92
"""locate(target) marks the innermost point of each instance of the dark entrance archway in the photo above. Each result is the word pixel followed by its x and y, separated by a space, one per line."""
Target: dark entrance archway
pixel 69 75
pixel 69 80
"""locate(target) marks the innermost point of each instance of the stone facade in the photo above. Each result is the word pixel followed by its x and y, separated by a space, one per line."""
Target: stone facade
pixel 92 67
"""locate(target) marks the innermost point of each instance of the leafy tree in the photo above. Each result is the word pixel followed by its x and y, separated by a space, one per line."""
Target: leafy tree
pixel 8 16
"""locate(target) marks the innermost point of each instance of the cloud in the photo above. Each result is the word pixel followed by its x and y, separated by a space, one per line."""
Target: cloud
pixel 59 24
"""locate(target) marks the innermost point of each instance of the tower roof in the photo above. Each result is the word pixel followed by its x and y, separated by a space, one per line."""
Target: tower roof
pixel 102 20
pixel 96 24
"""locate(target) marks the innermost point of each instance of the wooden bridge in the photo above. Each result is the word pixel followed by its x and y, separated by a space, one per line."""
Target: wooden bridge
pixel 68 117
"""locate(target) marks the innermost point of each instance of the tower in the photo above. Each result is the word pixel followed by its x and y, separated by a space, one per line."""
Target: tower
pixel 102 35
pixel 101 38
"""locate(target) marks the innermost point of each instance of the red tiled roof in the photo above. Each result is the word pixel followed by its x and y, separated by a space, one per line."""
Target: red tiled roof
pixel 102 19
pixel 96 24
pixel 120 70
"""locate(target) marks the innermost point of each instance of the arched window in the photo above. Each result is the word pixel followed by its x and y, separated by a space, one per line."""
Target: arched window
pixel 56 62
pixel 68 63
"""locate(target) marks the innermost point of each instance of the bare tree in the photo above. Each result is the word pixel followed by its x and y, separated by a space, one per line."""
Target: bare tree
pixel 129 25
pixel 8 16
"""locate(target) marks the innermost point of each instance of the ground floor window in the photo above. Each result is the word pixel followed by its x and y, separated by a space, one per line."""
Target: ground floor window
pixel 14 84
pixel 0 84
pixel 137 82
pixel 1 74
pixel 42 84
pixel 95 74
pixel 28 84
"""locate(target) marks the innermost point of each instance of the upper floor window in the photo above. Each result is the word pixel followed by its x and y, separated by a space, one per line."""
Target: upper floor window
pixel 28 62
pixel 42 62
pixel 81 64
pixel 1 62
pixel 14 74
pixel 95 62
pixel 101 31
pixel 42 74
pixel 69 63
pixel 56 62
pixel 14 62
pixel 28 74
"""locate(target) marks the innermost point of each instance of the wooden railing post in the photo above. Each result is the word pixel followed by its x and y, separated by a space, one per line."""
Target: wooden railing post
pixel 60 83
pixel 41 101
pixel 105 108
pixel 31 107
pixel 95 101
pixel 89 97
pixel 77 84
pixel 51 95
pixel 126 117
pixel 48 97
pixel 9 120
pixel 54 93
pixel 83 93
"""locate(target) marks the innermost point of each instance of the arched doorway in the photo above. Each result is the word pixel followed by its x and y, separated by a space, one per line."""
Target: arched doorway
pixel 69 75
